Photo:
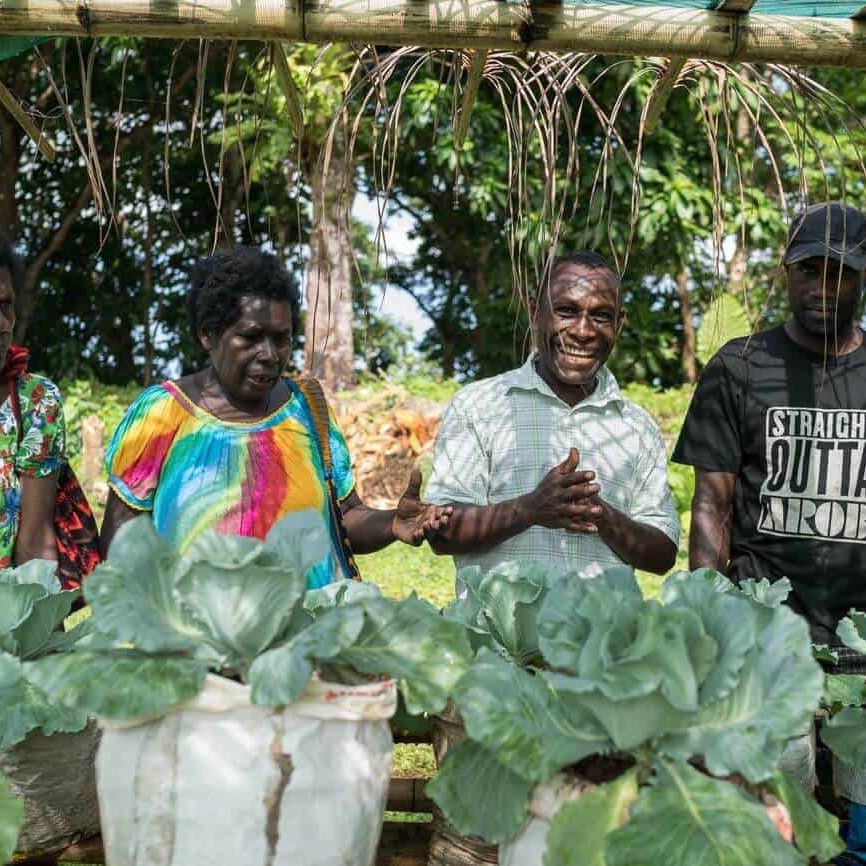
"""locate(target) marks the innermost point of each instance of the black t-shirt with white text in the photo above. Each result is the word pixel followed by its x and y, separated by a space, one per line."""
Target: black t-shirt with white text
pixel 792 426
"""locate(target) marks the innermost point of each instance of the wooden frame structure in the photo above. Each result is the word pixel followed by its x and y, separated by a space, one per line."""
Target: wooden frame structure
pixel 731 32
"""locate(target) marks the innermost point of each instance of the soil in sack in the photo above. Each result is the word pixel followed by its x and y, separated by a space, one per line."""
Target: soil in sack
pixel 55 776
pixel 447 846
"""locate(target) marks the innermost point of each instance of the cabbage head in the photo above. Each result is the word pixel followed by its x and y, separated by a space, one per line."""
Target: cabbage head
pixel 499 608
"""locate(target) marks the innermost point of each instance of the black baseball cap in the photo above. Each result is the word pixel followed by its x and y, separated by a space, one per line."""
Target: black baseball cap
pixel 829 230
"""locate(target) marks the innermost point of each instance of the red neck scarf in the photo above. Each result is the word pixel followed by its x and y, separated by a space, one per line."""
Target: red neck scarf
pixel 15 363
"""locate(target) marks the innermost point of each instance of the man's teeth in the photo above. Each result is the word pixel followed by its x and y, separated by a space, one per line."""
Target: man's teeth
pixel 574 353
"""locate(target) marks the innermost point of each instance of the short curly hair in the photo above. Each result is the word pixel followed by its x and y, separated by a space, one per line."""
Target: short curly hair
pixel 10 260
pixel 218 282
pixel 587 258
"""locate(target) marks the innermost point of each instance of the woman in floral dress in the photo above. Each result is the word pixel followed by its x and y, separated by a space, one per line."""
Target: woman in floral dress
pixel 29 461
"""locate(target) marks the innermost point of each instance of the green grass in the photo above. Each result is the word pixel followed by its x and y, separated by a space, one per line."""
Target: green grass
pixel 413 759
pixel 399 570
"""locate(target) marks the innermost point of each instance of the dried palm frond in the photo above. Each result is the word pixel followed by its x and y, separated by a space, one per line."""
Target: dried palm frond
pixel 544 99
pixel 769 129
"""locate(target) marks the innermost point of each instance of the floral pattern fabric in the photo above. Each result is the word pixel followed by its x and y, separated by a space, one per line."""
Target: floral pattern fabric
pixel 40 452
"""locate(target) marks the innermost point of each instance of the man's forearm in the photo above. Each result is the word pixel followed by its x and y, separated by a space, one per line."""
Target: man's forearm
pixel 638 544
pixel 709 539
pixel 477 528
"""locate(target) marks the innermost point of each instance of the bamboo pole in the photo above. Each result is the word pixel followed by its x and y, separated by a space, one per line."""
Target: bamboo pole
pixel 735 5
pixel 168 19
pixel 429 23
pixel 631 29
pixel 11 104
pixel 470 92
pixel 661 93
pixel 803 41
pixel 606 28
pixel 294 103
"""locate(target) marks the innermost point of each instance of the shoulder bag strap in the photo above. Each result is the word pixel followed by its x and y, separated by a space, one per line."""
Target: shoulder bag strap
pixel 311 393
pixel 317 404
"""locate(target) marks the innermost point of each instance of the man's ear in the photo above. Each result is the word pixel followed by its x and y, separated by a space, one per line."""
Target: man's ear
pixel 205 340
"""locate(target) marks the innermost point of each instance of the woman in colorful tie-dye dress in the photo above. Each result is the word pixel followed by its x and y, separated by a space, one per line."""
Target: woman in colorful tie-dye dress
pixel 234 447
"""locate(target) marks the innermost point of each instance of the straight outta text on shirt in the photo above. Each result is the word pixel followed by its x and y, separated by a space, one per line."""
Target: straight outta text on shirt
pixel 816 474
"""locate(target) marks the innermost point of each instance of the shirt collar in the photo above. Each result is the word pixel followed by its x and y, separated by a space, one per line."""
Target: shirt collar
pixel 526 378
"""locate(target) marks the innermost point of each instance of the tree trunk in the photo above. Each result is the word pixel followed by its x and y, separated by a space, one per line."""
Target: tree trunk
pixel 447 358
pixel 737 271
pixel 10 145
pixel 328 344
pixel 688 357
pixel 147 274
pixel 481 292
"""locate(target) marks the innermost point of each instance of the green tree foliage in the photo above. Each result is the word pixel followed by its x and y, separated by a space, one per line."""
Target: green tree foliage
pixel 168 186
pixel 195 146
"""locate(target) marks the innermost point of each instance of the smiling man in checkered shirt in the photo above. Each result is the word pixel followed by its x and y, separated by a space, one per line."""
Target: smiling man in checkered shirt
pixel 550 461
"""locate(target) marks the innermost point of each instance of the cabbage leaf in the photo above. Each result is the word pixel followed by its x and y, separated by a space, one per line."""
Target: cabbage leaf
pixel 845 735
pixel 32 608
pixel 11 817
pixel 413 644
pixel 816 831
pixel 118 685
pixel 499 608
pixel 280 675
pixel 526 725
pixel 578 831
pixel 778 691
pixel 481 796
pixel 686 817
pixel 852 631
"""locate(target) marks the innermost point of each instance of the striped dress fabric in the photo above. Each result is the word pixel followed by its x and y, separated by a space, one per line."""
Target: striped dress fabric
pixel 195 472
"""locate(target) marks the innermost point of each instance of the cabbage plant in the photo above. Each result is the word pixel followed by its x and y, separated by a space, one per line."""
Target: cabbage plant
pixel 677 711
pixel 844 695
pixel 240 607
pixel 32 607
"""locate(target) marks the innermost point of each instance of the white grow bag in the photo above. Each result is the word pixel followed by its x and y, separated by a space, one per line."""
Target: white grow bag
pixel 221 782
pixel 527 849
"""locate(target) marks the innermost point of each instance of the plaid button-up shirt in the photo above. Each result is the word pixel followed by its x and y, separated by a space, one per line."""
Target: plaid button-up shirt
pixel 499 437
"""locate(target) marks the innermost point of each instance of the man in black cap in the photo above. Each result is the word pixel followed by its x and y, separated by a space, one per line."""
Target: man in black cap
pixel 776 432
